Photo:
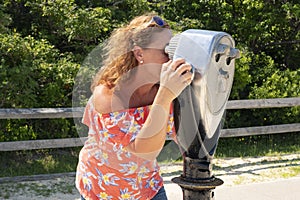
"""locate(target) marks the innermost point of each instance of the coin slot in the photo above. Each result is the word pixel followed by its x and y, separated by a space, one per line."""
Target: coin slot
pixel 228 60
pixel 217 57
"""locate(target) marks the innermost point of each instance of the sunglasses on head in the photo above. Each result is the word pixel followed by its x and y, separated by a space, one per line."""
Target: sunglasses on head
pixel 156 20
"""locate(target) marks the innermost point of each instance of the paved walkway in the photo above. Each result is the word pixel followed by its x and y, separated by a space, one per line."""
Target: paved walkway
pixel 287 189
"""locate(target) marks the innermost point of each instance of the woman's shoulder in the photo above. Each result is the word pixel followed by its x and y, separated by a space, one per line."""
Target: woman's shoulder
pixel 103 99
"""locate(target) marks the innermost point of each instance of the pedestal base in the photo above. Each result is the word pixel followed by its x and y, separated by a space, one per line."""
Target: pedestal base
pixel 198 190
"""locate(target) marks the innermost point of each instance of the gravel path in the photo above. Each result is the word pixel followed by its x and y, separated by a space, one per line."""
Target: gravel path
pixel 233 171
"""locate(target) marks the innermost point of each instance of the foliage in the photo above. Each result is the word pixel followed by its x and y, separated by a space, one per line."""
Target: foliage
pixel 280 84
pixel 34 74
pixel 242 76
pixel 65 25
pixel 4 21
pixel 43 43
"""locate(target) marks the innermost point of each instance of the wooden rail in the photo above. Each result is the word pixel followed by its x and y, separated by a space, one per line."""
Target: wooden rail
pixel 38 113
pixel 42 113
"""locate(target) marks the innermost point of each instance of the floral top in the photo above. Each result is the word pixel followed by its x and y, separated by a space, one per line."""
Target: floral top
pixel 106 170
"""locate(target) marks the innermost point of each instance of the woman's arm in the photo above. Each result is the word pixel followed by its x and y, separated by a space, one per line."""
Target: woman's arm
pixel 175 76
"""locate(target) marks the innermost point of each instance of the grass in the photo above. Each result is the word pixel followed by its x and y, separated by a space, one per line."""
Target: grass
pixel 42 190
pixel 263 145
pixel 20 163
pixel 46 161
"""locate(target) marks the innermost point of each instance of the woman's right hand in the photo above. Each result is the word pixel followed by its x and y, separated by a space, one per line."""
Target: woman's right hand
pixel 175 76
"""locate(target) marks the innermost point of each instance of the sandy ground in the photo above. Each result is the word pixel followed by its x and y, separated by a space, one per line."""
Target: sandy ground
pixel 233 171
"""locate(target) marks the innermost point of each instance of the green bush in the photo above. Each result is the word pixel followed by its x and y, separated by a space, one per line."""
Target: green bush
pixel 34 74
pixel 43 43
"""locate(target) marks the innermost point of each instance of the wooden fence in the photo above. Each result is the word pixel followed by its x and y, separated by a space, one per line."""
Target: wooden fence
pixel 42 113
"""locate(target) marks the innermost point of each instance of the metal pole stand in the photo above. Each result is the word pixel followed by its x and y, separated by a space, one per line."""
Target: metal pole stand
pixel 197 181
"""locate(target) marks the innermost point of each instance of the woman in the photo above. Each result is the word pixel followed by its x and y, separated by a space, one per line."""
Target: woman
pixel 130 113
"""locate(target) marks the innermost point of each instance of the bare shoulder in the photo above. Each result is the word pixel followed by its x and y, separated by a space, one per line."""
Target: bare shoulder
pixel 103 99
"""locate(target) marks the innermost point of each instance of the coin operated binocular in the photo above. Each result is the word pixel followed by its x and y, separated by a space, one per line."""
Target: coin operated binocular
pixel 199 109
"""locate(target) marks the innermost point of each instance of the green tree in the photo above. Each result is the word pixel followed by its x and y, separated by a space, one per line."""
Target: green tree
pixel 44 42
pixel 34 74
pixel 65 25
pixel 5 20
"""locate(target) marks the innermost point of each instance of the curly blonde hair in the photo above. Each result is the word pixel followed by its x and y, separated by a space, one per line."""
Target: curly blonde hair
pixel 119 57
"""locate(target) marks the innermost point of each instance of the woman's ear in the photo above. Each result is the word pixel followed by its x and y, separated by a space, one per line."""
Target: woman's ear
pixel 138 54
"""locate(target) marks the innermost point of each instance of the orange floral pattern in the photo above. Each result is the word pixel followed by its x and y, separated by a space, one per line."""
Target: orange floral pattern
pixel 106 170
